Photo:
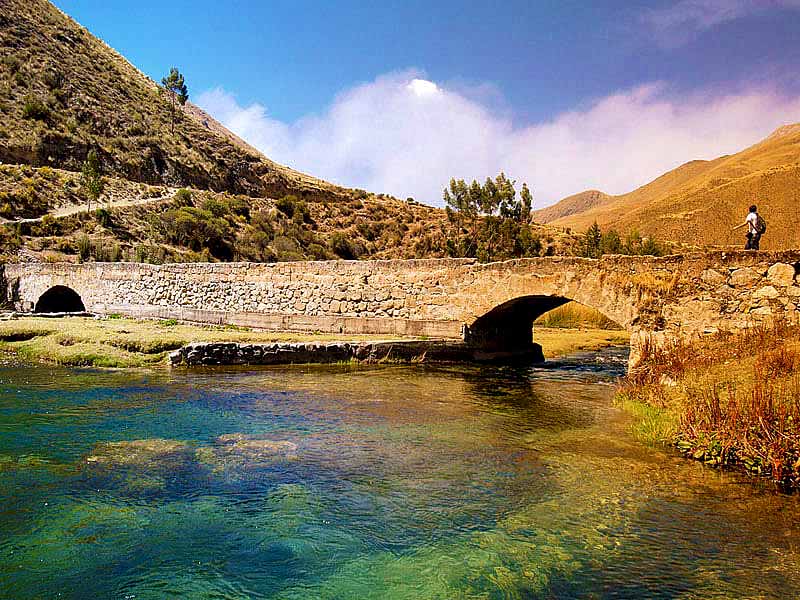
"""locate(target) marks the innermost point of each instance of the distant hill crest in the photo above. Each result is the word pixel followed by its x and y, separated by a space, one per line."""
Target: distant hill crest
pixel 700 201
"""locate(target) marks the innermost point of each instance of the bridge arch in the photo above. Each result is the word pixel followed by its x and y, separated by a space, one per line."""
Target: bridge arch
pixel 59 298
pixel 507 329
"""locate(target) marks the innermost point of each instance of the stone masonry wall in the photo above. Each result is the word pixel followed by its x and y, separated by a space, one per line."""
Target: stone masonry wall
pixel 667 297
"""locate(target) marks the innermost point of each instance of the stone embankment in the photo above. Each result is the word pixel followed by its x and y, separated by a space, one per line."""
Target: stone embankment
pixel 412 351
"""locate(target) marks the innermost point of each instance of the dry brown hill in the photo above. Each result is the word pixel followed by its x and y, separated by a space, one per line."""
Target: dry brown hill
pixel 701 201
pixel 571 205
pixel 63 91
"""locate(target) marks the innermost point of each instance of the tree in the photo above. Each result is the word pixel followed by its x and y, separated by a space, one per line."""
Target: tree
pixel 612 243
pixel 527 204
pixel 592 242
pixel 91 179
pixel 459 197
pixel 176 88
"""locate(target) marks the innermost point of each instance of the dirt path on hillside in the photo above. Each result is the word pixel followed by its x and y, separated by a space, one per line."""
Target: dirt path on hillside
pixel 66 211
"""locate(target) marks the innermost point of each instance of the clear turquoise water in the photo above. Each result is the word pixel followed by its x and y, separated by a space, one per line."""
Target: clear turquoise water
pixel 402 482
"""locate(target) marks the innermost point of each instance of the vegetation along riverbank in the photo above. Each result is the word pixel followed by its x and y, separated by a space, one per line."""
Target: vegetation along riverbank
pixel 126 343
pixel 729 400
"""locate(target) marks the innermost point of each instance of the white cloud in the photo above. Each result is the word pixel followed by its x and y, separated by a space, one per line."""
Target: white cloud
pixel 407 136
pixel 677 24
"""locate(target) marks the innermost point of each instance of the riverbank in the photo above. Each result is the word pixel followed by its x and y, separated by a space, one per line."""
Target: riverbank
pixel 129 343
pixel 728 400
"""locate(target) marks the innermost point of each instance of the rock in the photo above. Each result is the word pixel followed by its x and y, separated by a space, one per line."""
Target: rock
pixel 781 274
pixel 744 277
pixel 763 310
pixel 142 453
pixel 712 277
pixel 767 291
pixel 138 466
pixel 793 290
pixel 240 452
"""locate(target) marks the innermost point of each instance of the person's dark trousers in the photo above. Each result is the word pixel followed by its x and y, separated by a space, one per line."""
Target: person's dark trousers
pixel 753 240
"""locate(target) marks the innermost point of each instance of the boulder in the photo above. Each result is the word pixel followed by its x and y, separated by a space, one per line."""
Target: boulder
pixel 781 274
pixel 744 277
pixel 767 291
pixel 712 277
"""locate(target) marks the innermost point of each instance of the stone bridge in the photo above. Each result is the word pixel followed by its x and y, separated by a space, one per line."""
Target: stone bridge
pixel 492 306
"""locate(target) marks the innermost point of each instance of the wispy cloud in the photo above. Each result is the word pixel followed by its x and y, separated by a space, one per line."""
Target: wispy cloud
pixel 407 136
pixel 677 24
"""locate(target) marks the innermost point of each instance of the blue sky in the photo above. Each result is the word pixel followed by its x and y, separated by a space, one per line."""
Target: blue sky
pixel 309 83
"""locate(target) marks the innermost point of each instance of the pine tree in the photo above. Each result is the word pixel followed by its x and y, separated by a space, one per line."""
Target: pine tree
pixel 91 179
pixel 176 88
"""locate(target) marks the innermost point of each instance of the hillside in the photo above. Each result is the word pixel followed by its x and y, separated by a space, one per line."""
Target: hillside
pixel 198 193
pixel 63 91
pixel 701 201
pixel 572 205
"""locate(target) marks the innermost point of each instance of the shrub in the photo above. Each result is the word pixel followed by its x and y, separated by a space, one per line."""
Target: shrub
pixel 318 252
pixel 183 197
pixel 240 205
pixel 34 108
pixel 54 80
pixel 215 207
pixel 197 229
pixel 12 63
pixel 84 246
pixel 343 247
pixel 103 217
pixel 291 206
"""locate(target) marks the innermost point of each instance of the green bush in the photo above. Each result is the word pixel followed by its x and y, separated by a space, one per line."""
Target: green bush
pixel 35 109
pixel 197 229
pixel 292 207
pixel 183 197
pixel 343 247
pixel 286 205
pixel 215 207
pixel 240 206
pixel 54 80
pixel 103 217
pixel 84 246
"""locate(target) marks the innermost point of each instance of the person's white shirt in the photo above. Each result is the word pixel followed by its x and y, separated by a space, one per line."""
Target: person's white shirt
pixel 752 222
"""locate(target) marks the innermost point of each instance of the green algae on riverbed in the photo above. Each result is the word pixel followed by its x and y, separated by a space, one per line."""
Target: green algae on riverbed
pixel 405 482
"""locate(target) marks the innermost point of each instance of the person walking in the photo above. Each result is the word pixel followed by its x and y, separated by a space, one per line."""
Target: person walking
pixel 756 226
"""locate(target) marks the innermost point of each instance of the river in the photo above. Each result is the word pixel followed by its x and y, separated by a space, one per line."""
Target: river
pixel 358 482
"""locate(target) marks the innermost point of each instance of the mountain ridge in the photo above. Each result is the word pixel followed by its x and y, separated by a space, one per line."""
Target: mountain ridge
pixel 700 201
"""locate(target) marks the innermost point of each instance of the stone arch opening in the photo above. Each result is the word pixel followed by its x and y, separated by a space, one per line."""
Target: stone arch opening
pixel 506 331
pixel 58 299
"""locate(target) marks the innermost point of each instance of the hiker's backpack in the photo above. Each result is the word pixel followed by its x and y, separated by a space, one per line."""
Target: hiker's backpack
pixel 761 225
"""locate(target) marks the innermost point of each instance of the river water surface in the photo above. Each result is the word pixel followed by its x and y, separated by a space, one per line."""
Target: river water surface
pixel 366 482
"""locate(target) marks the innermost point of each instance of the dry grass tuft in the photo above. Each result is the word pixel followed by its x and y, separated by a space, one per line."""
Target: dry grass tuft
pixel 734 398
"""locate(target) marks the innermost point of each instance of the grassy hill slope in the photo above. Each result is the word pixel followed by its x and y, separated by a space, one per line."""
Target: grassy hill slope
pixel 63 91
pixel 701 201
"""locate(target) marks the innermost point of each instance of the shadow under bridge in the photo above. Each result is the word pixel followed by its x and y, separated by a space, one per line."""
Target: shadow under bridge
pixel 506 331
